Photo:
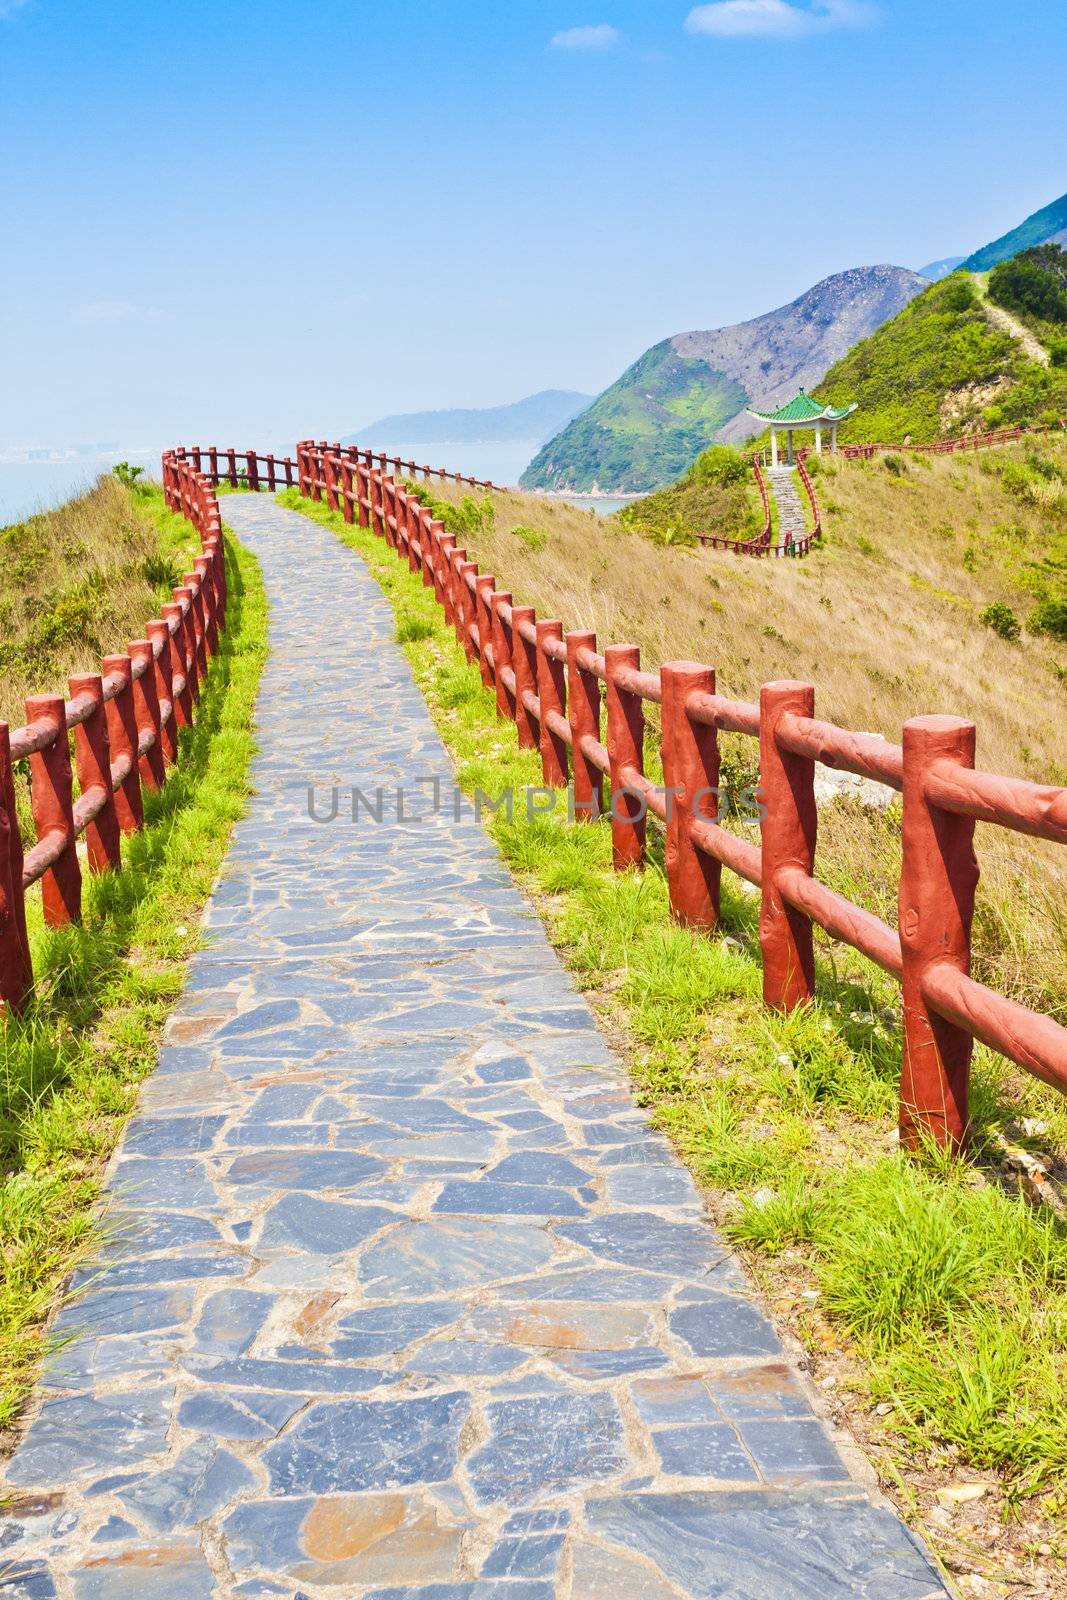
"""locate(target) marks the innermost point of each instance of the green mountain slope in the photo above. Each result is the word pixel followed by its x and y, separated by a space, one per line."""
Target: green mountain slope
pixel 1044 226
pixel 643 431
pixel 939 367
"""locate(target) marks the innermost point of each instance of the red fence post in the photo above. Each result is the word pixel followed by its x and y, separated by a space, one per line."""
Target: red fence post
pixel 938 879
pixel 552 692
pixel 203 570
pixel 626 749
pixel 146 715
pixel 16 968
pixel 691 776
pixel 583 697
pixel 467 573
pixel 524 661
pixel 362 493
pixel 427 548
pixel 231 458
pixel 329 472
pixel 92 760
pixel 198 614
pixel 788 828
pixel 159 634
pixel 347 509
pixel 51 797
pixel 456 558
pixel 443 545
pixel 187 634
pixel 122 732
pixel 253 471
pixel 502 657
pixel 183 701
pixel 483 609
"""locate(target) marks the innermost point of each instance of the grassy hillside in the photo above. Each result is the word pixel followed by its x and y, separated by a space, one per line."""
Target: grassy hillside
pixel 79 582
pixel 642 432
pixel 717 495
pixel 938 368
pixel 1041 226
pixel 886 620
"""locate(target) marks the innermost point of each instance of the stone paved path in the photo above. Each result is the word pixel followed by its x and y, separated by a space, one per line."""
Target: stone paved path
pixel 410 1302
pixel 784 484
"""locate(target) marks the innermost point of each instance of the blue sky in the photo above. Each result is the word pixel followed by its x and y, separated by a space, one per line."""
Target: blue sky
pixel 253 221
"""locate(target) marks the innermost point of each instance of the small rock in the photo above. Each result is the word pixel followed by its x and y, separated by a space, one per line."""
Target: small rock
pixel 958 1494
pixel 884 1408
pixel 762 1197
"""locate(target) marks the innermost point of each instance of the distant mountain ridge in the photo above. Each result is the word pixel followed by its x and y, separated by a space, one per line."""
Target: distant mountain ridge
pixel 694 388
pixel 1047 226
pixel 535 419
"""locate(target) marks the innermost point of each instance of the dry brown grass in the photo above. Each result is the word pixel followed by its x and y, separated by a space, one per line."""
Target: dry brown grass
pixel 885 621
pixel 77 583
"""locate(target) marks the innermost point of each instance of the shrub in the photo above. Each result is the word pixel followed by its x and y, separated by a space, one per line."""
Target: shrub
pixel 1033 282
pixel 1002 619
pixel 126 474
pixel 896 465
pixel 958 294
pixel 721 464
pixel 1058 352
pixel 1050 616
pixel 533 538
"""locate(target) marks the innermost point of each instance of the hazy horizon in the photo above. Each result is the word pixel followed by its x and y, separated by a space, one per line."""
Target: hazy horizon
pixel 568 185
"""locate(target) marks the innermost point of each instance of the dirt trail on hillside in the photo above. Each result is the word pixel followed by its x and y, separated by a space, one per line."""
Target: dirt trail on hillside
pixel 1004 320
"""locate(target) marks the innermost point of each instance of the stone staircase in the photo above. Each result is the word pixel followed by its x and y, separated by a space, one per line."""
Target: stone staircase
pixel 786 491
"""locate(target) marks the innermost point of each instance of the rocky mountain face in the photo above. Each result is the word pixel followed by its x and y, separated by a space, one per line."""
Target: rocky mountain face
pixel 692 389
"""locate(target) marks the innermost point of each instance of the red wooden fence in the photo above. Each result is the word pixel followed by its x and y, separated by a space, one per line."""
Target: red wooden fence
pixel 124 721
pixel 558 690
pixel 965 441
pixel 761 544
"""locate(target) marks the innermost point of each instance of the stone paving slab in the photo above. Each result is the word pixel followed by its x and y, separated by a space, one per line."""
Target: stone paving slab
pixel 407 1301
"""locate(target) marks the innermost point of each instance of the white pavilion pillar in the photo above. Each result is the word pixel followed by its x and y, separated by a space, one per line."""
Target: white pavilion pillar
pixel 818 438
pixel 789 446
pixel 774 445
pixel 833 438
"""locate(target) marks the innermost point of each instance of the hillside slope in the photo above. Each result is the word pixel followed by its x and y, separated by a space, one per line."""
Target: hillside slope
pixel 694 388
pixel 536 418
pixel 77 582
pixel 941 366
pixel 1047 226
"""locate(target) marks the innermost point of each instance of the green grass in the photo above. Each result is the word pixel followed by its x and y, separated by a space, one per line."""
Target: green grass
pixel 948 1291
pixel 71 1063
pixel 940 343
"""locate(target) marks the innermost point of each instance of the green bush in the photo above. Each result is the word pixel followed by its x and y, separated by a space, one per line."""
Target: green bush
pixel 895 465
pixel 126 474
pixel 958 294
pixel 534 539
pixel 1050 616
pixel 721 464
pixel 1058 352
pixel 1033 282
pixel 1002 619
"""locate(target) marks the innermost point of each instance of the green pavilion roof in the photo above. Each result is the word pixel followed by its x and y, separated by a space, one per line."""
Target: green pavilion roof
pixel 803 409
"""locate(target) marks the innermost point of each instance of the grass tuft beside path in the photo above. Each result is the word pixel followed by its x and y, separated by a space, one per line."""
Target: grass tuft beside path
pixel 931 1298
pixel 71 1064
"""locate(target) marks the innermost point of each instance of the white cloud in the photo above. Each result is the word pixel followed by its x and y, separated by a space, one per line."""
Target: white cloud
pixel 601 37
pixel 778 19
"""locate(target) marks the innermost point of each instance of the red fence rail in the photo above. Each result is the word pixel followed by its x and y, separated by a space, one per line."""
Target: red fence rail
pixel 560 693
pixel 964 441
pixel 124 722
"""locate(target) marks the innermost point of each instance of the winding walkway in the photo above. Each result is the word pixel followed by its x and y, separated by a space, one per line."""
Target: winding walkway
pixel 410 1302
